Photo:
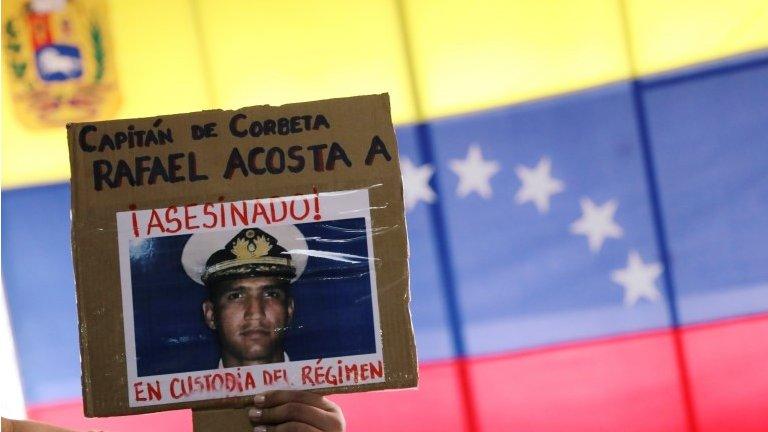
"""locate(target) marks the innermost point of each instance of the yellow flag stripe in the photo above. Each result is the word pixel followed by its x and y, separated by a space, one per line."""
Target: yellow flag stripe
pixel 186 55
pixel 670 34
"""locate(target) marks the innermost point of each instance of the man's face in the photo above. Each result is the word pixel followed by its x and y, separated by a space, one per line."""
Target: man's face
pixel 250 315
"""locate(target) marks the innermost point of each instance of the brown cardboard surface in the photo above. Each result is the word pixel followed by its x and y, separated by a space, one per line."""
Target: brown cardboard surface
pixel 232 420
pixel 359 125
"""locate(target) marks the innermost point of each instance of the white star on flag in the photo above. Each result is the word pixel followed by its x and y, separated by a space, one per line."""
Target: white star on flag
pixel 416 183
pixel 637 278
pixel 597 223
pixel 538 184
pixel 474 173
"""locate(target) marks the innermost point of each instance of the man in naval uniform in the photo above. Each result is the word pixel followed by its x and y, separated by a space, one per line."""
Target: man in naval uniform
pixel 248 276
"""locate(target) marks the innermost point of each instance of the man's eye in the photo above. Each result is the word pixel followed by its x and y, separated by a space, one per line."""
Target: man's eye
pixel 234 295
pixel 273 293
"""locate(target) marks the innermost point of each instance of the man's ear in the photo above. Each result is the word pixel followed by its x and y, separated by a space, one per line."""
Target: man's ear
pixel 208 315
pixel 290 311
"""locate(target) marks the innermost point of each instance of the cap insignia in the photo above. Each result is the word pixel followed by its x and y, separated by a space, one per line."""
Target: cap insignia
pixel 244 249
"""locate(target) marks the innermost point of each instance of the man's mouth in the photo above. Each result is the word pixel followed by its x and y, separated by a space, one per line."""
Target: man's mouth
pixel 254 332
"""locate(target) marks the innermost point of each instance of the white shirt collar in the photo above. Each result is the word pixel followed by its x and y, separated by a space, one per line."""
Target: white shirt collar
pixel 285 360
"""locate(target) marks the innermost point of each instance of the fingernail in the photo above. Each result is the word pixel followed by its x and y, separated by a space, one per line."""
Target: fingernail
pixel 260 429
pixel 258 399
pixel 254 413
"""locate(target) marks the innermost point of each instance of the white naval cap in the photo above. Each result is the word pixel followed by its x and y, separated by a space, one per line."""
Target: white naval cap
pixel 261 250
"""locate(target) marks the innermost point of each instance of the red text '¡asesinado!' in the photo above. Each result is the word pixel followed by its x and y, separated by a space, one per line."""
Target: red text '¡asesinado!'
pixel 192 217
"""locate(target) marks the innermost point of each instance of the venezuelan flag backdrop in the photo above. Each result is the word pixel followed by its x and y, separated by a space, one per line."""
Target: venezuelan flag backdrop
pixel 587 185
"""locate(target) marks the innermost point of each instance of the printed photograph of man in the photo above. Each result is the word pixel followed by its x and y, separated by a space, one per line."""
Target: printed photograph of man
pixel 248 279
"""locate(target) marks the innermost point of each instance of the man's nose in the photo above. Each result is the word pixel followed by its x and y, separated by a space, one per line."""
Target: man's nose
pixel 254 307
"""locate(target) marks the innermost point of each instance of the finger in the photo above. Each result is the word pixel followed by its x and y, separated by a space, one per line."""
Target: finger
pixel 296 412
pixel 287 427
pixel 281 397
pixel 30 426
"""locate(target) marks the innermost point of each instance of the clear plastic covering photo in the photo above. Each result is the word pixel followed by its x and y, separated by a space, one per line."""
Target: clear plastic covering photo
pixel 234 298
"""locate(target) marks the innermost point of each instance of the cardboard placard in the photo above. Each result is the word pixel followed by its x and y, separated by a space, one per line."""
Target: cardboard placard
pixel 220 254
